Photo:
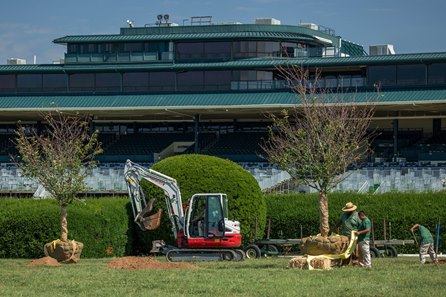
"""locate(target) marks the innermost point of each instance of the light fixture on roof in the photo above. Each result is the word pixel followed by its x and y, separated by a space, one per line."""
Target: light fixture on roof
pixel 166 17
pixel 130 23
pixel 159 18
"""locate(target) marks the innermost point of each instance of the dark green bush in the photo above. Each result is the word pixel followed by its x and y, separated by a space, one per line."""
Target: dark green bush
pixel 207 174
pixel 289 213
pixel 101 224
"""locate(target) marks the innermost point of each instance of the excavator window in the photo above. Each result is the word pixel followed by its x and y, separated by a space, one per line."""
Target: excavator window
pixel 197 221
pixel 207 216
pixel 215 217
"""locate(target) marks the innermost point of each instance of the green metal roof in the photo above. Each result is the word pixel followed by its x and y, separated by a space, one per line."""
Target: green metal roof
pixel 352 49
pixel 208 32
pixel 197 36
pixel 197 101
pixel 236 64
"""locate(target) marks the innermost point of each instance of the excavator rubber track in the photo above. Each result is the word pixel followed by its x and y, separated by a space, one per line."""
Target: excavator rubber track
pixel 195 255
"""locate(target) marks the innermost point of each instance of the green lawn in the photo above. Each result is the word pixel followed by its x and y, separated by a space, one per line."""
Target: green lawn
pixel 263 277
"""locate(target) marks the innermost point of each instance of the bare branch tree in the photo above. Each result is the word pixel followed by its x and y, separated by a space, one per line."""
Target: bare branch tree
pixel 59 158
pixel 320 137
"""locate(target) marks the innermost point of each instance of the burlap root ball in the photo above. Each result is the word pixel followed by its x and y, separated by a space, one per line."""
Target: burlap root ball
pixel 318 245
pixel 64 251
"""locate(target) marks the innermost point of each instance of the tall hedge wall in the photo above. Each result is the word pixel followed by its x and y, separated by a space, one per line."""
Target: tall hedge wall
pixel 207 174
pixel 288 213
pixel 103 225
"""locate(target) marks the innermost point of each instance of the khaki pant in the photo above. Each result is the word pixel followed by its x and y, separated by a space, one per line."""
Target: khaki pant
pixel 427 249
pixel 365 259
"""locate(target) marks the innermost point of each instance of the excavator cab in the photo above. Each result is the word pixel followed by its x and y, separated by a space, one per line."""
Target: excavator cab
pixel 206 215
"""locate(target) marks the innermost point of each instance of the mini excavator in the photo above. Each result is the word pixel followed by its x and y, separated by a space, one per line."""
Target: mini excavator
pixel 202 230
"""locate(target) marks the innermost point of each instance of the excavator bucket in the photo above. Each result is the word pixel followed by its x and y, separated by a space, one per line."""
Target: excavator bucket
pixel 152 222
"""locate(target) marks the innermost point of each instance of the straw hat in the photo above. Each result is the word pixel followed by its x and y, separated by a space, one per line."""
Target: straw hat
pixel 349 206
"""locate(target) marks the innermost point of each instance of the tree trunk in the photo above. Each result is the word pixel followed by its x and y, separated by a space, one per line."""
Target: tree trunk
pixel 323 214
pixel 63 224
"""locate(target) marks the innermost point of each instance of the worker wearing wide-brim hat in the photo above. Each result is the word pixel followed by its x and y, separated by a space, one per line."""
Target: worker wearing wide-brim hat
pixel 349 220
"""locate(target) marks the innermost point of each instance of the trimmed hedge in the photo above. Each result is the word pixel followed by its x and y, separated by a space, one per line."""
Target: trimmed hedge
pixel 103 225
pixel 289 212
pixel 207 174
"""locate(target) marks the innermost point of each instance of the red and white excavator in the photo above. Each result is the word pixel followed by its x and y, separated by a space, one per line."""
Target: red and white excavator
pixel 202 230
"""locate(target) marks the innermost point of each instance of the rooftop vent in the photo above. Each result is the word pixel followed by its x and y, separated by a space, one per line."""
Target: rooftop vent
pixel 267 21
pixel 381 50
pixel 311 26
pixel 15 61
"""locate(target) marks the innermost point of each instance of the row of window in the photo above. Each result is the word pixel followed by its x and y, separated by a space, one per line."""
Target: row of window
pixel 199 50
pixel 393 75
pixel 406 75
pixel 131 81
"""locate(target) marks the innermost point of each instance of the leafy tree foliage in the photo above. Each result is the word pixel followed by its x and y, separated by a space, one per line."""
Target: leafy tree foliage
pixel 59 158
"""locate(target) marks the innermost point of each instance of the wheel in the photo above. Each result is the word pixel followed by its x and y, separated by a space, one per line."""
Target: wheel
pixel 252 251
pixel 374 252
pixel 240 255
pixel 270 249
pixel 390 251
pixel 229 256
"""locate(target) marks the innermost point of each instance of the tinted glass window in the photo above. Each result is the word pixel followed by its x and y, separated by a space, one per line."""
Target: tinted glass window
pixel 190 50
pixel 411 74
pixel 7 81
pixel 72 48
pixel 134 81
pixel 268 48
pixel 217 80
pixel 55 82
pixel 437 73
pixel 190 80
pixel 245 49
pixel 133 47
pixel 82 82
pixel 162 81
pixel 29 82
pixel 108 81
pixel 384 75
pixel 88 48
pixel 217 49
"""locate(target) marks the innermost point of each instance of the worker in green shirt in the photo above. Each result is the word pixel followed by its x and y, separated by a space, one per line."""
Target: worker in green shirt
pixel 349 221
pixel 363 233
pixel 426 243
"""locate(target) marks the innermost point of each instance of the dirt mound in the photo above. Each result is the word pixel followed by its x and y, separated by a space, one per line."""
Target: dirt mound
pixel 147 263
pixel 45 261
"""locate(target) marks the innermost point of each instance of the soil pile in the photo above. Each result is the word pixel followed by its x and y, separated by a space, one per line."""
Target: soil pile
pixel 45 261
pixel 132 263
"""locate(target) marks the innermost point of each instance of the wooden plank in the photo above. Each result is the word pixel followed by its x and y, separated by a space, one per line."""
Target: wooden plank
pixel 394 242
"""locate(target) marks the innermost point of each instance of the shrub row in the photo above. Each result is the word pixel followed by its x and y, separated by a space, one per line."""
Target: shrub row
pixel 106 227
pixel 103 225
pixel 289 214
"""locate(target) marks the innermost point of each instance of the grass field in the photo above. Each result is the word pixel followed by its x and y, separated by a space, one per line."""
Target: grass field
pixel 263 277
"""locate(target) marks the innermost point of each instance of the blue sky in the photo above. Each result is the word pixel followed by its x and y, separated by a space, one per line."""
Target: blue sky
pixel 28 27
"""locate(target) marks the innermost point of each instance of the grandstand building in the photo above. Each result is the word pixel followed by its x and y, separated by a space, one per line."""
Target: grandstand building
pixel 201 87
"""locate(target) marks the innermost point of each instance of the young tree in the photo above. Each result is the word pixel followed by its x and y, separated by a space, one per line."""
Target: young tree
pixel 320 137
pixel 59 158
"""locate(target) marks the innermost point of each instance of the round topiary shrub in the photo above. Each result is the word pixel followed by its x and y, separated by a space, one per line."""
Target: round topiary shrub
pixel 207 174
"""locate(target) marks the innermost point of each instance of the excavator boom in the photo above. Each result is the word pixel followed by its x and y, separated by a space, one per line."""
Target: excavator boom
pixel 133 174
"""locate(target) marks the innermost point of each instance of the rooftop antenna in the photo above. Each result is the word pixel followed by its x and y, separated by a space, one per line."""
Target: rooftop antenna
pixel 130 23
